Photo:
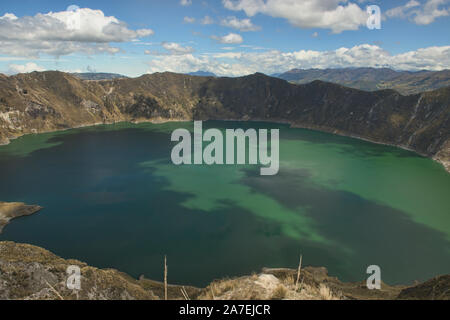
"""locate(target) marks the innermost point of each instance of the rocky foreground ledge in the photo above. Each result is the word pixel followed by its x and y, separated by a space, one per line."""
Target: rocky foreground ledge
pixel 12 210
pixel 32 273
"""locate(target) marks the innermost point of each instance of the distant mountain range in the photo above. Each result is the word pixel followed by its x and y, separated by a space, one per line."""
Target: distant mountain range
pixel 372 79
pixel 368 79
pixel 201 74
pixel 98 76
pixel 47 101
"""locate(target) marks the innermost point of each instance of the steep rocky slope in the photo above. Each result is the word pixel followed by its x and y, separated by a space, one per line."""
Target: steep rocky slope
pixel 45 101
pixel 32 273
pixel 29 272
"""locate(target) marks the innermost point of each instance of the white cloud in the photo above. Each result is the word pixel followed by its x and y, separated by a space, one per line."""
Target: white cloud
pixel 172 49
pixel 421 14
pixel 8 16
pixel 241 25
pixel 432 58
pixel 25 68
pixel 10 58
pixel 228 55
pixel 253 47
pixel 65 32
pixel 190 63
pixel 186 3
pixel 189 20
pixel 274 61
pixel 140 43
pixel 231 38
pixel 176 49
pixel 207 20
pixel 400 12
pixel 72 70
pixel 325 14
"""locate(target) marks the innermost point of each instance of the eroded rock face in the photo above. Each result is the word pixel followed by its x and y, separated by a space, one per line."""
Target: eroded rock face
pixel 36 110
pixel 56 100
pixel 437 288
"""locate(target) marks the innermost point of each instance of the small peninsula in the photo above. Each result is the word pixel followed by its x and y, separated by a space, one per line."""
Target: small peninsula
pixel 12 210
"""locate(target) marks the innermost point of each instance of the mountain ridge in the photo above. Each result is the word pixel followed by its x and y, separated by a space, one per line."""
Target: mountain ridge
pixel 372 79
pixel 48 101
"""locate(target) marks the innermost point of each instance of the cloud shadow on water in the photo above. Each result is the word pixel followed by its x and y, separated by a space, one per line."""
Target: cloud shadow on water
pixel 363 232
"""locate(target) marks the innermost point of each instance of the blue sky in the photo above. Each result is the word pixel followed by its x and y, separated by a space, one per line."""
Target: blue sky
pixel 229 37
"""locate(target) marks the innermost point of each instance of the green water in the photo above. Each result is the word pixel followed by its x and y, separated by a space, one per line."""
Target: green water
pixel 113 198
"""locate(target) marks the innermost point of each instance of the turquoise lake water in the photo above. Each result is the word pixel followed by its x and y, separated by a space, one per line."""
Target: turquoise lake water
pixel 113 198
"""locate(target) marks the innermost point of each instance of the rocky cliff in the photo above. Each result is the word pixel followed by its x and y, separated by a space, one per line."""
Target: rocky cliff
pixel 46 101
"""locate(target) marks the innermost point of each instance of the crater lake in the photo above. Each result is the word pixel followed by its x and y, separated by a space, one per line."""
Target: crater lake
pixel 112 198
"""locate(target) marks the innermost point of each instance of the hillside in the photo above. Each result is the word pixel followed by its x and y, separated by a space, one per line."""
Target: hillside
pixel 32 273
pixel 45 101
pixel 372 79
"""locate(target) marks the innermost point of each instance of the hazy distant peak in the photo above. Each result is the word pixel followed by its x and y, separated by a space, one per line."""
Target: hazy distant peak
pixel 202 74
pixel 98 76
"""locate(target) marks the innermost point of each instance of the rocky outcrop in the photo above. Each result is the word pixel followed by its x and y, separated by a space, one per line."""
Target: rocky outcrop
pixel 46 101
pixel 33 273
pixel 12 210
pixel 437 288
pixel 281 283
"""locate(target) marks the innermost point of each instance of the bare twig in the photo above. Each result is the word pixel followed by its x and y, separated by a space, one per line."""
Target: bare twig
pixel 185 294
pixel 165 277
pixel 54 290
pixel 182 292
pixel 298 272
pixel 212 293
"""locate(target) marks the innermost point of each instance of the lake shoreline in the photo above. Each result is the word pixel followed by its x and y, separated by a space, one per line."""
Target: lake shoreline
pixel 441 160
pixel 21 263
